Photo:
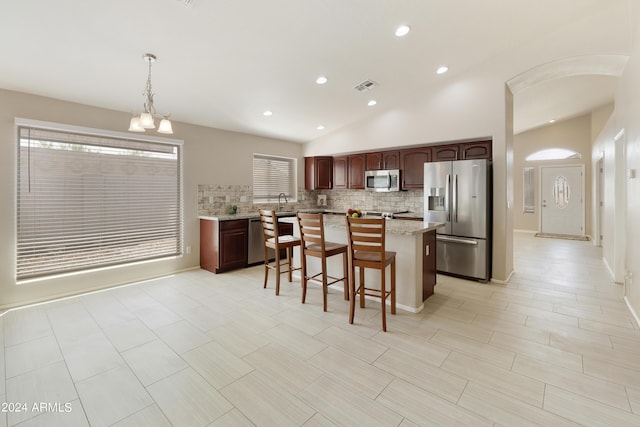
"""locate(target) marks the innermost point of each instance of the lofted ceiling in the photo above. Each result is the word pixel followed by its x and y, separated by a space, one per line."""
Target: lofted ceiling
pixel 222 63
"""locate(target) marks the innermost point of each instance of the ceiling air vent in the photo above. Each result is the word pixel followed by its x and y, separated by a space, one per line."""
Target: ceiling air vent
pixel 366 85
pixel 186 2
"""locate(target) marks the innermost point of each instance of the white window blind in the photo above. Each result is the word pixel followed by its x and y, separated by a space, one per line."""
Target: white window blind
pixel 272 176
pixel 87 201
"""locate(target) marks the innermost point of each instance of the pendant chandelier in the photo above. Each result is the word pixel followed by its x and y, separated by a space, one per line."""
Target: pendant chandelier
pixel 146 120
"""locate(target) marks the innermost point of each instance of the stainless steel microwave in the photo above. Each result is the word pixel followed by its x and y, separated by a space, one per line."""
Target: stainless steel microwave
pixel 382 180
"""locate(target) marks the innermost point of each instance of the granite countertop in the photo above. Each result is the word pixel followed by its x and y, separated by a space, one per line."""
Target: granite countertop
pixel 393 226
pixel 254 215
pixel 409 215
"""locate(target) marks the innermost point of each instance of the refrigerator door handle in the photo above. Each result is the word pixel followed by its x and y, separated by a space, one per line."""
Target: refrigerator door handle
pixel 452 240
pixel 446 198
pixel 455 198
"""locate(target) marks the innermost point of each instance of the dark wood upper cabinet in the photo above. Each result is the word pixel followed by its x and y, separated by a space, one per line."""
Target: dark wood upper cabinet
pixel 476 150
pixel 391 159
pixel 383 160
pixel 340 172
pixel 412 164
pixel 356 168
pixel 374 161
pixel 348 171
pixel 444 152
pixel 318 173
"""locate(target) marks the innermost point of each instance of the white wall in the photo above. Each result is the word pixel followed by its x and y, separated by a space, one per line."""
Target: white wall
pixel 211 156
pixel 621 229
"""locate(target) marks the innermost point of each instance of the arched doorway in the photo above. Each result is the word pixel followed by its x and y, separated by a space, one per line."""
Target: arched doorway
pixel 556 77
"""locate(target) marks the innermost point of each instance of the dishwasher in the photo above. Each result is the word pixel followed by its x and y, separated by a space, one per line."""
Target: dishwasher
pixel 256 243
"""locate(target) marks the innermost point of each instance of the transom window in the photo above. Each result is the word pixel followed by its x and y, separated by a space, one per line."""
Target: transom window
pixel 554 154
pixel 272 176
pixel 88 200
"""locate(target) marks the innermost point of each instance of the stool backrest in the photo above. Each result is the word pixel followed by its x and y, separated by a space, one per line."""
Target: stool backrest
pixel 269 224
pixel 311 230
pixel 367 235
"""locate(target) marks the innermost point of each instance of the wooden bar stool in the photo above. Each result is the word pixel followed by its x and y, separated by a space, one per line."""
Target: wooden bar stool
pixel 273 240
pixel 366 238
pixel 314 245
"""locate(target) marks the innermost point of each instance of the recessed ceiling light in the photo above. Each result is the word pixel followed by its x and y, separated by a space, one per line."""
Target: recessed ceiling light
pixel 320 127
pixel 402 30
pixel 552 121
pixel 321 80
pixel 267 113
pixel 372 103
pixel 443 69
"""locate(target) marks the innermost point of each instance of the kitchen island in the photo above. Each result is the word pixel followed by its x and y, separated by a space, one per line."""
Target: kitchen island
pixel 415 245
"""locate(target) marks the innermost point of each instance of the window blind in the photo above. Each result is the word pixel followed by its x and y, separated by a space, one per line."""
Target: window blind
pixel 87 201
pixel 273 176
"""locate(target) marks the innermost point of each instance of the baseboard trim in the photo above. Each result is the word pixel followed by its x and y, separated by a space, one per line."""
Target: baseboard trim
pixel 79 293
pixel 503 282
pixel 633 312
pixel 519 230
pixel 606 264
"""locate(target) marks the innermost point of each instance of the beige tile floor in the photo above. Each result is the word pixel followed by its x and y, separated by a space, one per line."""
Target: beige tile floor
pixel 556 346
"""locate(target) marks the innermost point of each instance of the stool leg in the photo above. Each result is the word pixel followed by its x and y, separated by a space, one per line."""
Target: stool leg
pixel 277 272
pixel 383 298
pixel 266 266
pixel 345 275
pixel 361 287
pixel 352 292
pixel 393 287
pixel 303 265
pixel 289 266
pixel 324 284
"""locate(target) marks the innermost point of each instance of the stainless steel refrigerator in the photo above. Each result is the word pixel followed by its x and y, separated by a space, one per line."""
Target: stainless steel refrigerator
pixel 458 193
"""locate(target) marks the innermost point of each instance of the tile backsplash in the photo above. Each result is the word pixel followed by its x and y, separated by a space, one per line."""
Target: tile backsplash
pixel 411 200
pixel 215 199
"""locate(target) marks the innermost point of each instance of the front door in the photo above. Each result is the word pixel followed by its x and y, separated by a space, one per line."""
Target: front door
pixel 562 200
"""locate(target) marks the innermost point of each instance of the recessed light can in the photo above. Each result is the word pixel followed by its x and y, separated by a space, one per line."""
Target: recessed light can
pixel 402 30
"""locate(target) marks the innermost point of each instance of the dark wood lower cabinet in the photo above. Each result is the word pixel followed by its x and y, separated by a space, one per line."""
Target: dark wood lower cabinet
pixel 234 245
pixel 428 264
pixel 223 244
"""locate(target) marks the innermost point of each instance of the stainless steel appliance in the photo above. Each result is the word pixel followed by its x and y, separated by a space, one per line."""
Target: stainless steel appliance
pixel 458 193
pixel 256 243
pixel 382 180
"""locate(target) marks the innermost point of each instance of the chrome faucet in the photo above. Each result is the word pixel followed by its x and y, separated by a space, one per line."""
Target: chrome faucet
pixel 285 200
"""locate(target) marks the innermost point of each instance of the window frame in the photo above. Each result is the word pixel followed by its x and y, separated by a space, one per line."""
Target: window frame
pixel 292 194
pixel 178 211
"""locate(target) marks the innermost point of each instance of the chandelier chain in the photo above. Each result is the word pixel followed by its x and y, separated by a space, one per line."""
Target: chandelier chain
pixel 148 105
